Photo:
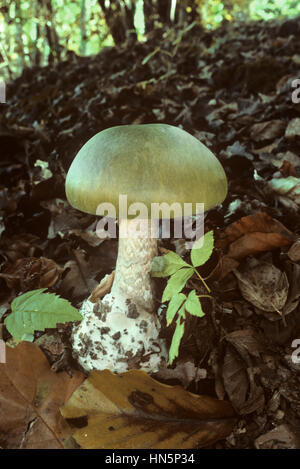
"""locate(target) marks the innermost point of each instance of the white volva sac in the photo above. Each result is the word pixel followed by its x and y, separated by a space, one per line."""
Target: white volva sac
pixel 121 331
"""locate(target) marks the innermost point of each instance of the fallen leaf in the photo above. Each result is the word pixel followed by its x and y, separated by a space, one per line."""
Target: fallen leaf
pixel 132 410
pixel 294 251
pixel 267 130
pixel 281 437
pixel 245 342
pixel 279 158
pixel 103 288
pixel 185 371
pixel 245 396
pixel 264 286
pixel 30 397
pixel 293 128
pixel 78 277
pixel 288 189
pixel 31 273
pixel 253 234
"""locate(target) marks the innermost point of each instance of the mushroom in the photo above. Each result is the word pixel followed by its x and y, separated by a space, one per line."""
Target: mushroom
pixel 149 164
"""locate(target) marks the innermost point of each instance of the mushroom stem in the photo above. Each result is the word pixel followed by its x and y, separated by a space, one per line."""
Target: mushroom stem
pixel 121 332
pixel 137 247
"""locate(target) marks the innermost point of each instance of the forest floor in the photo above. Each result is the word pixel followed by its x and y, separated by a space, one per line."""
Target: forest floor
pixel 232 89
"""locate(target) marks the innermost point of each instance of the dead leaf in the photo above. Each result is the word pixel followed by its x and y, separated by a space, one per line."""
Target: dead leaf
pixel 294 251
pixel 31 273
pixel 266 149
pixel 281 437
pixel 279 158
pixel 132 410
pixel 245 396
pixel 267 130
pixel 103 288
pixel 293 128
pixel 253 234
pixel 89 236
pixel 30 396
pixel 246 343
pixel 78 277
pixel 19 246
pixel 185 371
pixel 264 286
pixel 289 191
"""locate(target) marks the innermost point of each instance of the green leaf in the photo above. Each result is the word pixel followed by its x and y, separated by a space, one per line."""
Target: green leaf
pixel 35 311
pixel 176 283
pixel 175 305
pixel 164 266
pixel 202 249
pixel 193 305
pixel 176 339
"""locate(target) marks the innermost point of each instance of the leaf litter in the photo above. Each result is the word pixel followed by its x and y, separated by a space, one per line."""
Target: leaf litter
pixel 240 107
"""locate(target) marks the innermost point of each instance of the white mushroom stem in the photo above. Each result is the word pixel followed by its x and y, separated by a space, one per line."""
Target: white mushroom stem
pixel 136 251
pixel 121 332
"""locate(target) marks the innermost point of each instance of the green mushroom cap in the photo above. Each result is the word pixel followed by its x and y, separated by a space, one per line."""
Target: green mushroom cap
pixel 149 163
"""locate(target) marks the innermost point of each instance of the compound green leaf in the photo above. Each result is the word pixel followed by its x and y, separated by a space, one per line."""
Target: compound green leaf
pixel 36 311
pixel 176 304
pixel 202 249
pixel 176 339
pixel 164 266
pixel 176 282
pixel 193 305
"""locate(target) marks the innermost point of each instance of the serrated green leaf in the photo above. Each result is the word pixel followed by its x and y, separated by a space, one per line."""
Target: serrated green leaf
pixel 175 304
pixel 193 305
pixel 176 282
pixel 202 249
pixel 36 311
pixel 176 339
pixel 164 266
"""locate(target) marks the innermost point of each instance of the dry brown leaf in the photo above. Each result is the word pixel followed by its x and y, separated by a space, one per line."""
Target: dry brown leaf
pixel 133 411
pixel 266 149
pixel 185 371
pixel 103 288
pixel 264 286
pixel 294 251
pixel 246 343
pixel 287 190
pixel 267 130
pixel 30 397
pixel 293 128
pixel 78 276
pixel 253 234
pixel 31 273
pixel 281 437
pixel 19 246
pixel 88 236
pixel 245 396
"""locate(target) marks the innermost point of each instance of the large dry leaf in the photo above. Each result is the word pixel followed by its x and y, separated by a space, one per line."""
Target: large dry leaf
pixel 31 273
pixel 287 190
pixel 132 410
pixel 246 343
pixel 293 128
pixel 267 130
pixel 239 383
pixel 30 397
pixel 294 251
pixel 253 234
pixel 264 286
